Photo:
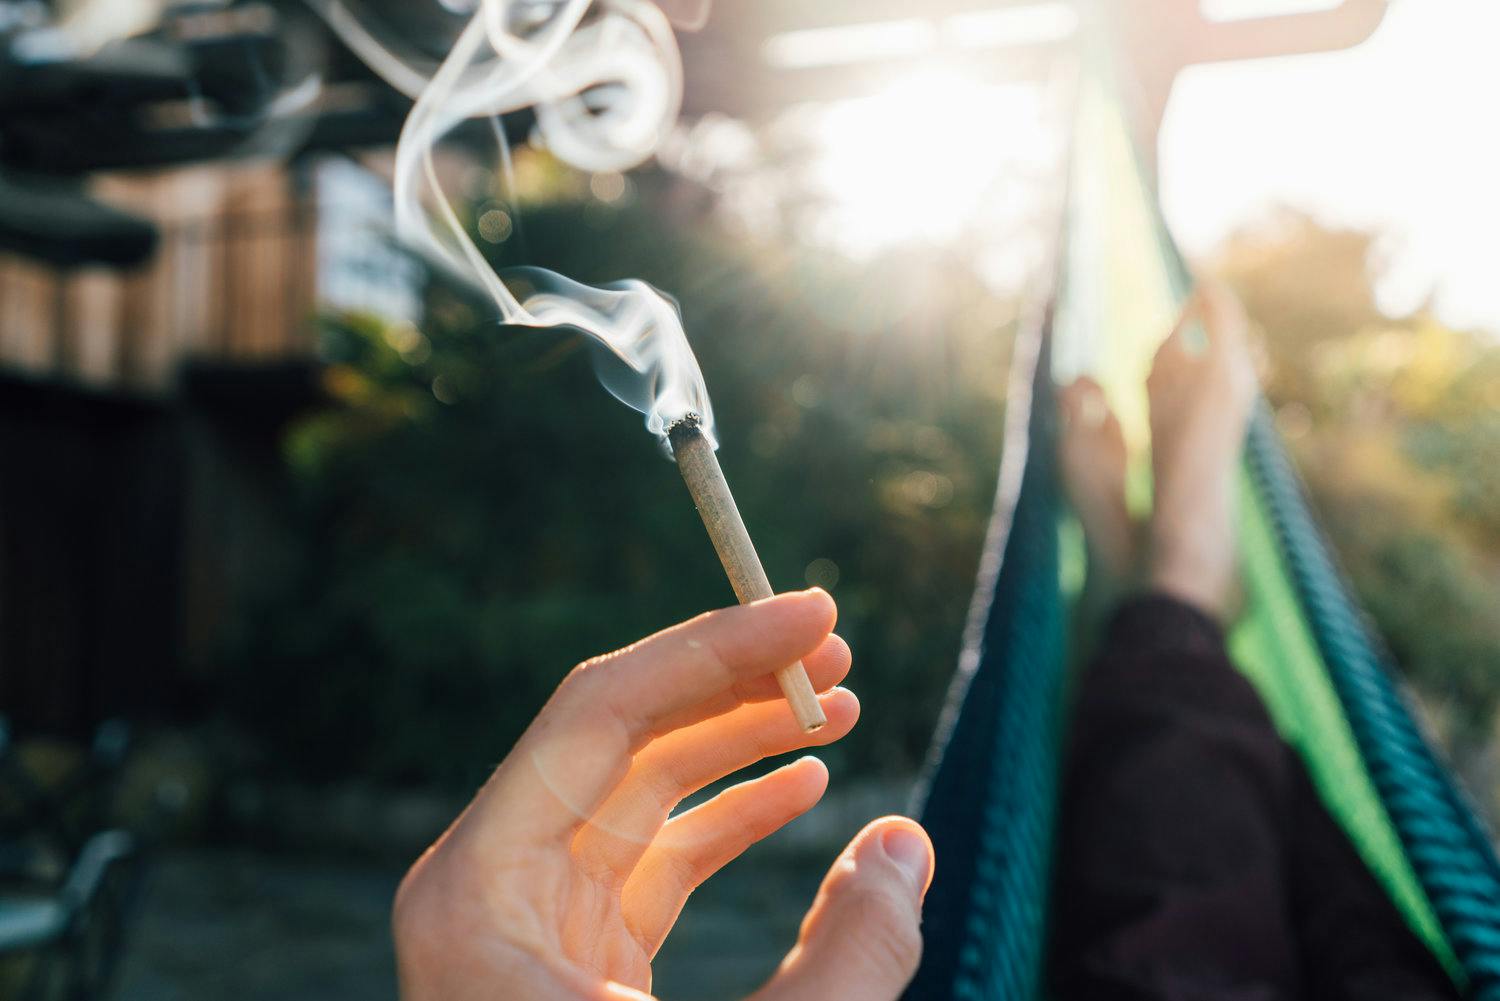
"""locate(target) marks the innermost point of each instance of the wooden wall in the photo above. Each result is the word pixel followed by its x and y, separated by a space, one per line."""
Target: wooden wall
pixel 140 416
pixel 234 279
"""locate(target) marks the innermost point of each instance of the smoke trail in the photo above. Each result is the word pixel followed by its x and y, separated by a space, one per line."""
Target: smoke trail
pixel 605 84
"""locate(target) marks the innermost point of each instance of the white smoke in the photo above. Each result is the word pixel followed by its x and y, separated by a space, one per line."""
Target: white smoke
pixel 605 83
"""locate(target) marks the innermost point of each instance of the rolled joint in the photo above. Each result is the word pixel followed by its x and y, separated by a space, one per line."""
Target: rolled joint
pixel 715 503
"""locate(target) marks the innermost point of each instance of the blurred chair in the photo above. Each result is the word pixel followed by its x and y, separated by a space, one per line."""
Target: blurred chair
pixel 66 879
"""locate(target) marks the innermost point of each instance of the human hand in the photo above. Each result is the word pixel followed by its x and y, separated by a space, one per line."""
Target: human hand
pixel 563 876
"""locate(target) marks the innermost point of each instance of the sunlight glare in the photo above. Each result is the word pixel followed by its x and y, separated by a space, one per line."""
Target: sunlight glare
pixel 1386 137
pixel 920 160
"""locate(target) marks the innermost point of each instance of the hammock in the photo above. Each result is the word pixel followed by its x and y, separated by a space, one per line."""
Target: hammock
pixel 989 797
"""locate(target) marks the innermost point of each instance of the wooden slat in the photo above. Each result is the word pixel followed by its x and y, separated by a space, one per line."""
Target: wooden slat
pixel 93 301
pixel 27 314
pixel 235 279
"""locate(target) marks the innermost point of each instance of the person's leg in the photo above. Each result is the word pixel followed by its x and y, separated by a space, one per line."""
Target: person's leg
pixel 1171 876
pixel 1353 942
pixel 1170 863
pixel 1194 858
pixel 1172 866
pixel 1355 945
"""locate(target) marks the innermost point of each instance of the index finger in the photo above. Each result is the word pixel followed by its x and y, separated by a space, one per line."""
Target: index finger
pixel 580 745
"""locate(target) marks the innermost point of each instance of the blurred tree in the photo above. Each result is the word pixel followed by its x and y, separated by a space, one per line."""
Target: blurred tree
pixel 478 514
pixel 1393 421
pixel 1306 287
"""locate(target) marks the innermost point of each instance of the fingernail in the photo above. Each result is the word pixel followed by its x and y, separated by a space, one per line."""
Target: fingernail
pixel 909 851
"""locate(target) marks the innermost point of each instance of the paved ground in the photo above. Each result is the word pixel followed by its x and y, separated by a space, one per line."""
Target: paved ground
pixel 222 924
pixel 254 928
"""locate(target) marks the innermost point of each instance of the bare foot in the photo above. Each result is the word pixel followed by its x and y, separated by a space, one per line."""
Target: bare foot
pixel 1091 452
pixel 1201 400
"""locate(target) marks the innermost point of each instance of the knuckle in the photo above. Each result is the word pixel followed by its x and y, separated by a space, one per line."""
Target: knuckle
pixel 664 785
pixel 593 705
pixel 577 684
pixel 587 689
pixel 715 660
pixel 587 673
pixel 681 871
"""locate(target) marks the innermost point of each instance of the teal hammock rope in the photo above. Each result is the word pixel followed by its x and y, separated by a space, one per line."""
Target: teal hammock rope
pixel 1449 849
pixel 1447 844
pixel 990 797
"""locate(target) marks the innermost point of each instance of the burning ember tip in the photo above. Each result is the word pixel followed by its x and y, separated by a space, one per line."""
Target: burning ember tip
pixel 688 424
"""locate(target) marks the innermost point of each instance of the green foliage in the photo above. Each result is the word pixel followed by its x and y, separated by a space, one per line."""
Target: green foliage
pixel 476 514
pixel 1393 421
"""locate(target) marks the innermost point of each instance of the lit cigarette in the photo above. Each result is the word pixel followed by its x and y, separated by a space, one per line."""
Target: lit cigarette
pixel 705 481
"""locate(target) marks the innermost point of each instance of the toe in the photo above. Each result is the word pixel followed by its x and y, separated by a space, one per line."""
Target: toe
pixel 1082 403
pixel 1087 385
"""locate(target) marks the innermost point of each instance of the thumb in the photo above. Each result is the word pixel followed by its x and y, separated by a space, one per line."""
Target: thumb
pixel 862 939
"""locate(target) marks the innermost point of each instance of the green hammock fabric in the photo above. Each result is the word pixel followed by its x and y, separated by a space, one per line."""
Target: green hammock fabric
pixel 990 794
pixel 1272 642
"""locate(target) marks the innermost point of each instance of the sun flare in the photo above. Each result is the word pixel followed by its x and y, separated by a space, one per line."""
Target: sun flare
pixel 929 159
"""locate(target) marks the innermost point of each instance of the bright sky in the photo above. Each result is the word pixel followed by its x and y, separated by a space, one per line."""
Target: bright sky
pixel 1400 135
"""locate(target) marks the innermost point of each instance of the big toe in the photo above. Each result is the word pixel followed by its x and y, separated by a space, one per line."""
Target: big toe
pixel 1083 404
